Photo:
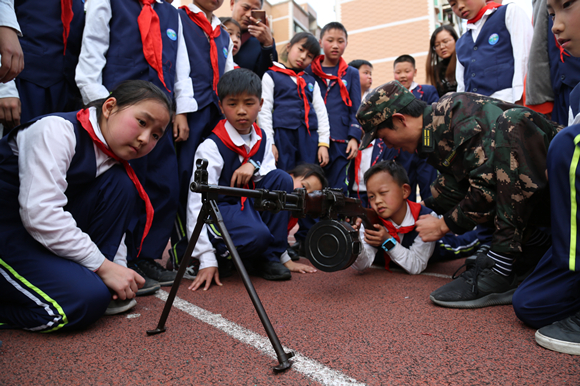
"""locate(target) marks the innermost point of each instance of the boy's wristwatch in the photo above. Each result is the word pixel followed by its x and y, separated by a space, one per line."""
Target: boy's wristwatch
pixel 389 244
pixel 255 164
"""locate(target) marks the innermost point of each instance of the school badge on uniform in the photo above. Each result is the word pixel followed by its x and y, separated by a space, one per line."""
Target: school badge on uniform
pixel 493 39
pixel 225 51
pixel 345 83
pixel 171 34
pixel 310 87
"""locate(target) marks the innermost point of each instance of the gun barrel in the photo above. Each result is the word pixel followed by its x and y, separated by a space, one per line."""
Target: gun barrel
pixel 264 194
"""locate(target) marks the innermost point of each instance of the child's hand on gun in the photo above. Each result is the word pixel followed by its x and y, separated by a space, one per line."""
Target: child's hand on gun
pixel 377 236
pixel 180 128
pixel 204 278
pixel 242 175
pixel 323 157
pixel 298 267
pixel 123 281
pixel 352 148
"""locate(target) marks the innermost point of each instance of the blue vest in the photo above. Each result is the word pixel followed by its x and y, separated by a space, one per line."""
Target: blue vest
pixel 489 62
pixel 42 41
pixel 232 163
pixel 198 48
pixel 340 116
pixel 82 169
pixel 288 106
pixel 125 59
pixel 411 236
pixel 426 93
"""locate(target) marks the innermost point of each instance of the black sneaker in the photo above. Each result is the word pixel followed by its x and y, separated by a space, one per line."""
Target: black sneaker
pixel 118 306
pixel 150 287
pixel 192 269
pixel 477 287
pixel 271 270
pixel 562 336
pixel 155 271
pixel 297 250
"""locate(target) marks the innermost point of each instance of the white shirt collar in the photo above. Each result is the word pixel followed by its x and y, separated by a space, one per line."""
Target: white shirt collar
pixel 413 86
pixel 95 122
pixel 215 21
pixel 237 138
pixel 409 220
pixel 480 22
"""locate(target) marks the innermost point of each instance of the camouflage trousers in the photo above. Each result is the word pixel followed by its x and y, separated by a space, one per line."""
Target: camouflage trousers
pixel 515 198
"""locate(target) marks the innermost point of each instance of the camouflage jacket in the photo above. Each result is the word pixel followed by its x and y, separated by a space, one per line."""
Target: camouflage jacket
pixel 460 137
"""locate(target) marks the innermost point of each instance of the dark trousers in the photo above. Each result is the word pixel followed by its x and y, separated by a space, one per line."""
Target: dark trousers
pixel 295 147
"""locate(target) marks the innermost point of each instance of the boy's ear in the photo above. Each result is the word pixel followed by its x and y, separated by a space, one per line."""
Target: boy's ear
pixel 261 103
pixel 108 107
pixel 406 190
pixel 220 103
pixel 232 2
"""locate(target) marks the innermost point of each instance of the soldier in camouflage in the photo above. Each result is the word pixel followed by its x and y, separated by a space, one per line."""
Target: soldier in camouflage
pixel 491 158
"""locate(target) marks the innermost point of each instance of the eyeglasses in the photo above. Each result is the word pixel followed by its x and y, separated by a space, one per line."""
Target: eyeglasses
pixel 443 43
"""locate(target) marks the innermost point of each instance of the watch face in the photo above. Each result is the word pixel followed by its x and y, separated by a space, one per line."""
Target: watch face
pixel 388 245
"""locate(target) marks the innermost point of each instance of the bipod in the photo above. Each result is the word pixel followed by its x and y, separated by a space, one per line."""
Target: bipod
pixel 210 213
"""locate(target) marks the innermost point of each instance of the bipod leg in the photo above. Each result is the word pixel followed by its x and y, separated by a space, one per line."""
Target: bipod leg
pixel 283 356
pixel 203 215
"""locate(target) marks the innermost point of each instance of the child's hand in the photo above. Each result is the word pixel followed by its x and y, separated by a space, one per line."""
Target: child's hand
pixel 242 175
pixel 376 237
pixel 298 267
pixel 123 281
pixel 180 128
pixel 431 228
pixel 356 225
pixel 323 157
pixel 352 148
pixel 10 112
pixel 275 152
pixel 205 275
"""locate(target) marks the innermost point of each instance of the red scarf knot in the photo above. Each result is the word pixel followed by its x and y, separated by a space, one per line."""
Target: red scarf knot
pixel 83 118
pixel 301 85
pixel 342 67
pixel 490 5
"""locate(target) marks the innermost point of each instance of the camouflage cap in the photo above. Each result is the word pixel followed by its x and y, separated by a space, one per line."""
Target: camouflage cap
pixel 380 105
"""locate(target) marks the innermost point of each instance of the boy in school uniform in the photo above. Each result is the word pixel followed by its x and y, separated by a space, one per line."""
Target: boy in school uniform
pixel 472 141
pixel 50 36
pixel 492 56
pixel 419 171
pixel 258 47
pixel 340 88
pixel 210 46
pixel 548 298
pixel 114 50
pixel 365 70
pixel 239 155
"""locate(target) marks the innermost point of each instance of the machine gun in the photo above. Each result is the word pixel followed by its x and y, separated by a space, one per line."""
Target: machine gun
pixel 331 245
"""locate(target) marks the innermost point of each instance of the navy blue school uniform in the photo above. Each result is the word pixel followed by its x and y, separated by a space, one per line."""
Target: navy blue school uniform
pixel 157 171
pixel 418 170
pixel 550 293
pixel 343 122
pixel 256 235
pixel 489 61
pixel 42 88
pixel 380 153
pixel 40 290
pixel 254 57
pixel 296 144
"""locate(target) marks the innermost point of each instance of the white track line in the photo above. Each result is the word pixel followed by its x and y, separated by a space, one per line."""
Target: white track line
pixel 308 367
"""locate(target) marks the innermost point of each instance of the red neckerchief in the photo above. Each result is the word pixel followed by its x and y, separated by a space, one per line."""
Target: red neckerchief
pixel 200 19
pixel 66 16
pixel 301 83
pixel 420 91
pixel 151 38
pixel 562 51
pixel 394 232
pixel 357 162
pixel 222 133
pixel 83 117
pixel 292 223
pixel 490 5
pixel 342 67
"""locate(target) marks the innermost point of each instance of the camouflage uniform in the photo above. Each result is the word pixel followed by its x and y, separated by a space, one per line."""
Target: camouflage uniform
pixel 491 158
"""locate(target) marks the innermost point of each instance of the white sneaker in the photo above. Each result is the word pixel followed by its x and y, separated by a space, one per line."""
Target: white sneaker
pixel 118 306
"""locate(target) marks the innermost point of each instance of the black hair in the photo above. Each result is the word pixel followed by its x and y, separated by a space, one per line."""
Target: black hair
pixel 239 81
pixel 261 3
pixel 333 25
pixel 396 171
pixel 358 63
pixel 311 44
pixel 414 109
pixel 226 20
pixel 405 59
pixel 131 92
pixel 307 170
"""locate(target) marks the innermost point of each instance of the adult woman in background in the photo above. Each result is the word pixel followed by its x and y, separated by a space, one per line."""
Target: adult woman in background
pixel 441 60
